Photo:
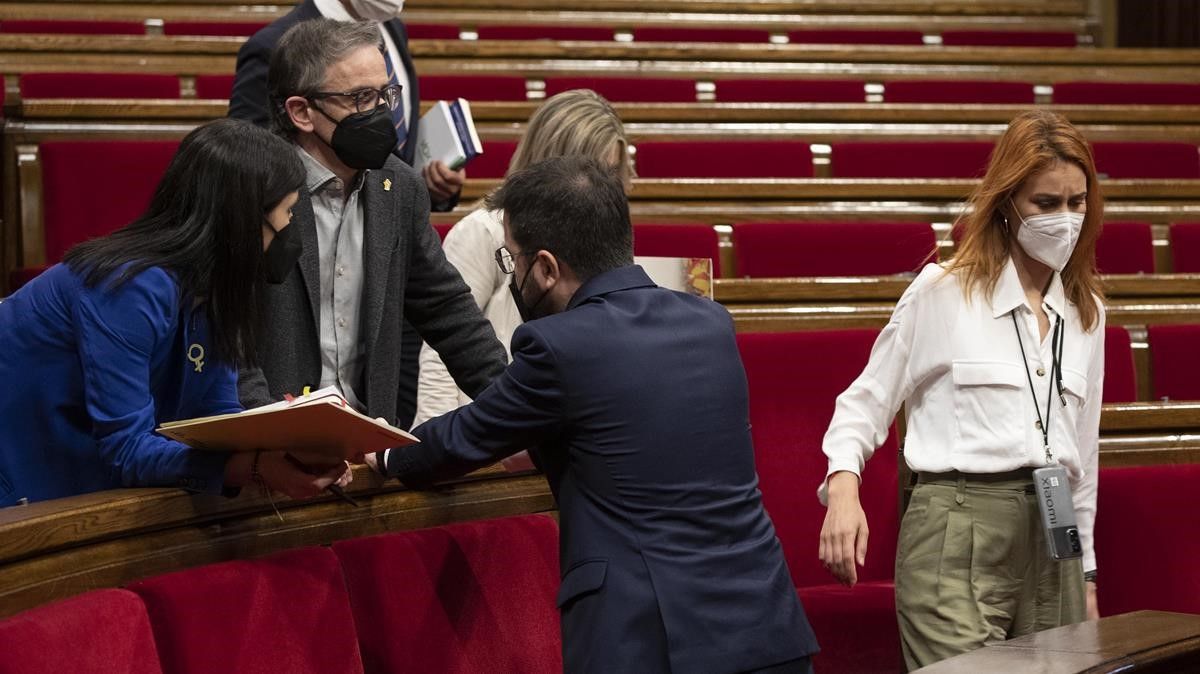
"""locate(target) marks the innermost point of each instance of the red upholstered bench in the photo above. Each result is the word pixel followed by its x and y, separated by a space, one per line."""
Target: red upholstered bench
pixel 909 159
pixel 216 28
pixel 459 599
pixel 472 87
pixel 1004 38
pixel 776 249
pixel 1125 248
pixel 1148 539
pixel 794 379
pixel 1127 93
pixel 99 85
pixel 685 240
pixel 214 86
pixel 72 27
pixel 958 91
pixel 724 159
pixel 1185 247
pixel 667 34
pixel 493 163
pixel 542 32
pixel 1147 160
pixel 628 89
pixel 431 31
pixel 1120 379
pixel 1173 362
pixel 442 229
pixel 288 612
pixel 856 37
pixel 791 91
pixel 101 632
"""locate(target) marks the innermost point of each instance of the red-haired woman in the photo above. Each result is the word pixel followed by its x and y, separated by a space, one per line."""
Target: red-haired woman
pixel 998 359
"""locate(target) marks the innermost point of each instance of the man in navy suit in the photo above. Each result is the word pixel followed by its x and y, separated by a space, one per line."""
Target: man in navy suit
pixel 635 400
pixel 249 98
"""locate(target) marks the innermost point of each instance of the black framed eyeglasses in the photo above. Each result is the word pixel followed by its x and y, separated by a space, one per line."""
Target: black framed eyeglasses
pixel 367 98
pixel 507 261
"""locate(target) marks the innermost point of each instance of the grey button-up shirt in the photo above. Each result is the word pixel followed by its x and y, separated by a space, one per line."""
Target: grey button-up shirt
pixel 339 221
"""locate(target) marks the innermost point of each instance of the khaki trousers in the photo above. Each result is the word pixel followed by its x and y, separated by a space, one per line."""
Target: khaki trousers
pixel 972 567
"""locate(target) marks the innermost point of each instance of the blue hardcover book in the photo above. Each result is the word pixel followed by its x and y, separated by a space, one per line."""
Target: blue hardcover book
pixel 447 133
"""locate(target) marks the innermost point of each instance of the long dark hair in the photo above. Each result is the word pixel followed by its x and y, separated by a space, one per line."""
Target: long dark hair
pixel 204 227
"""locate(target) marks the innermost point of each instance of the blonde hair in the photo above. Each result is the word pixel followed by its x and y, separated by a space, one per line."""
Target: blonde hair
pixel 1033 142
pixel 575 122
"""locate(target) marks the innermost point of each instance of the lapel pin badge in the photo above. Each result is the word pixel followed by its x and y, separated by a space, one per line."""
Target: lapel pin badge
pixel 196 355
pixel 387 184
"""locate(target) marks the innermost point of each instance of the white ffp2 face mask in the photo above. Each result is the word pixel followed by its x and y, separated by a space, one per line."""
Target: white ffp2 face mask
pixel 1050 238
pixel 377 10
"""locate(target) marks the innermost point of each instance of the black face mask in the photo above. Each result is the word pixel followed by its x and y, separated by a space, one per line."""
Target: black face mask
pixel 525 310
pixel 365 139
pixel 282 254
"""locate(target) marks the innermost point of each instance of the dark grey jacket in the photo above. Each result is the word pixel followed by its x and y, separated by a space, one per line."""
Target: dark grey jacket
pixel 406 276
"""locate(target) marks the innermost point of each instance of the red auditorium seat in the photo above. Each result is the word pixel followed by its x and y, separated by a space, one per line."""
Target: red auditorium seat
pixel 101 632
pixel 778 249
pixel 431 31
pixel 99 85
pixel 288 612
pixel 472 87
pixel 909 159
pixel 1120 380
pixel 459 599
pixel 1003 38
pixel 690 240
pixel 794 379
pixel 214 28
pixel 1147 160
pixel 442 229
pixel 1127 93
pixel 724 159
pixel 78 175
pixel 214 86
pixel 1147 539
pixel 856 37
pixel 958 91
pixel 538 32
pixel 493 163
pixel 67 27
pixel 628 89
pixel 790 91
pixel 1185 247
pixel 666 34
pixel 1125 248
pixel 1173 363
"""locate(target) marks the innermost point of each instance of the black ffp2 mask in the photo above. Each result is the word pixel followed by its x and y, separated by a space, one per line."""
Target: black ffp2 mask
pixel 365 139
pixel 524 309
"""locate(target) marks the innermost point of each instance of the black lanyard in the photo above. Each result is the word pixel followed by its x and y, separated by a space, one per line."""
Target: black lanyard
pixel 1056 347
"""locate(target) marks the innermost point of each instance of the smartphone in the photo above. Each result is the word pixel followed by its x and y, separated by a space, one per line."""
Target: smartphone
pixel 1058 512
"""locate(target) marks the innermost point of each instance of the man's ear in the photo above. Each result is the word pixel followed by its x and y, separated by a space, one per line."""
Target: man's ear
pixel 298 110
pixel 547 269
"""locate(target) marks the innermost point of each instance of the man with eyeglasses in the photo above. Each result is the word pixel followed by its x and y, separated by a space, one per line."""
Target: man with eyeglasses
pixel 248 100
pixel 369 257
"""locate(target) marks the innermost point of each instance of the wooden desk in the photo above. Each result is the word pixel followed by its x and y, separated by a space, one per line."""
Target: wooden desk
pixel 1143 641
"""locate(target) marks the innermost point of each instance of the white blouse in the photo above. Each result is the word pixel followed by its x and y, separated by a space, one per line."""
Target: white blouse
pixel 956 366
pixel 471 247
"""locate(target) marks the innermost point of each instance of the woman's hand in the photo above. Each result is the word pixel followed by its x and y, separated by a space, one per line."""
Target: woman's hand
pixel 1093 608
pixel 844 533
pixel 285 474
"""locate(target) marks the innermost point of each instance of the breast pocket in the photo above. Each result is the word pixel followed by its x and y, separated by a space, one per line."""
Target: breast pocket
pixel 988 407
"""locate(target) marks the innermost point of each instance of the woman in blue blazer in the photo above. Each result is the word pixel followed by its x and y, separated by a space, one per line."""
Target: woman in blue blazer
pixel 148 325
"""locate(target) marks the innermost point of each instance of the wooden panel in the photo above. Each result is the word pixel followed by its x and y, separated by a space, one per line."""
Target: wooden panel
pixel 1141 641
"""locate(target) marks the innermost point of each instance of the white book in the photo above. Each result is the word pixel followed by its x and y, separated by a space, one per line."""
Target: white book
pixel 447 133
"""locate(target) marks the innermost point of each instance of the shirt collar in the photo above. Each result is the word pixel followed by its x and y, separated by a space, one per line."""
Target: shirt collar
pixel 317 175
pixel 333 9
pixel 1009 294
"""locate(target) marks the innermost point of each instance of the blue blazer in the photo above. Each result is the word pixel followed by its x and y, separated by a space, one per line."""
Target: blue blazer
pixel 636 400
pixel 88 375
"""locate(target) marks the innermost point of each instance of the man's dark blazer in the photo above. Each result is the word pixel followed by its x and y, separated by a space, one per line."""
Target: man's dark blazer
pixel 249 98
pixel 636 399
pixel 406 275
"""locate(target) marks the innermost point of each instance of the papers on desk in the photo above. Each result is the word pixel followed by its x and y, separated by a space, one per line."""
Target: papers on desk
pixel 320 422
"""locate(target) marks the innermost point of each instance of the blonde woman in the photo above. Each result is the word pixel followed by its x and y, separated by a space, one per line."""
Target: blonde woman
pixel 998 359
pixel 576 122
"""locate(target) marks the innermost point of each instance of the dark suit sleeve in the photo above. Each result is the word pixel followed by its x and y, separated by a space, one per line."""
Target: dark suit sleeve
pixel 523 408
pixel 249 98
pixel 439 305
pixel 252 388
